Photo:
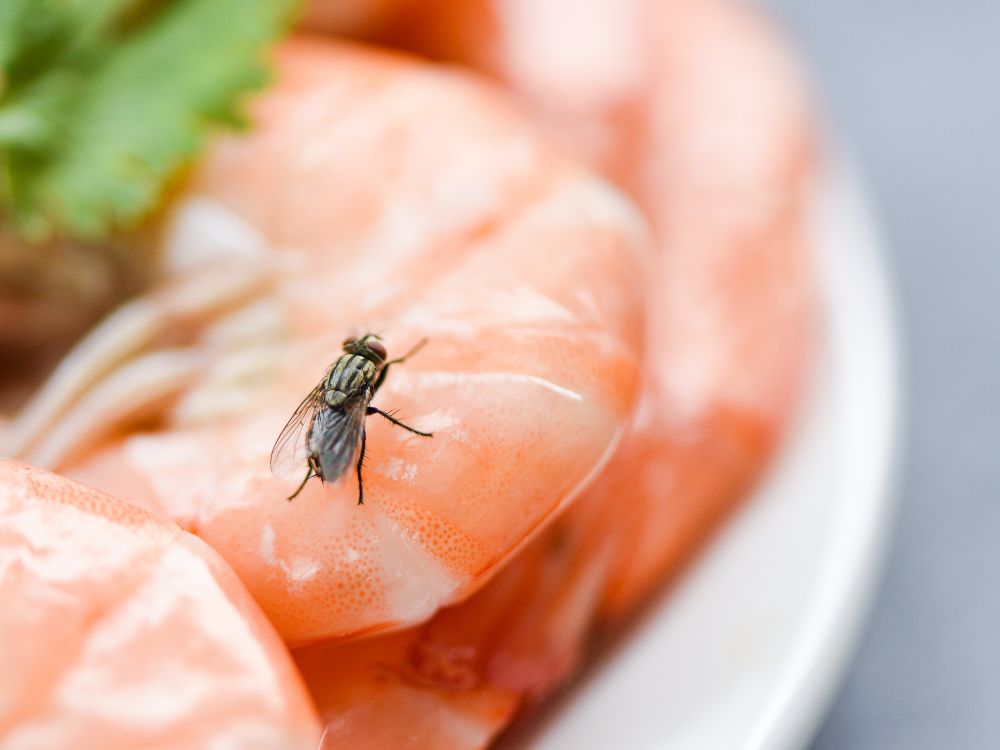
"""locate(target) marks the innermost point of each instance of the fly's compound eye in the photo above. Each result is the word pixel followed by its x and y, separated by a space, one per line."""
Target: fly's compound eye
pixel 347 342
pixel 377 348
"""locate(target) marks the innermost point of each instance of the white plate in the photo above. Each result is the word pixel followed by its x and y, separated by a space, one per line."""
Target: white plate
pixel 746 652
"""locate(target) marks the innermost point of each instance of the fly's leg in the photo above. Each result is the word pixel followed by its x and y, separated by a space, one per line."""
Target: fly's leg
pixel 397 361
pixel 308 476
pixel 387 415
pixel 310 473
pixel 361 460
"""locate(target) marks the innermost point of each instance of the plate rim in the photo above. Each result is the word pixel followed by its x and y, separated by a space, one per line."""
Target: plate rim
pixel 840 608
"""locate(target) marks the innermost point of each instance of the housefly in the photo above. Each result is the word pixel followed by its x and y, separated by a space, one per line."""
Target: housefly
pixel 326 427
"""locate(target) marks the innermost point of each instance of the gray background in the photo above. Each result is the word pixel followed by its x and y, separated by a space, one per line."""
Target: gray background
pixel 915 86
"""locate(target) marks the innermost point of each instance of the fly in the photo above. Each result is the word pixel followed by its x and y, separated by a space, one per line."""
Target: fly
pixel 325 429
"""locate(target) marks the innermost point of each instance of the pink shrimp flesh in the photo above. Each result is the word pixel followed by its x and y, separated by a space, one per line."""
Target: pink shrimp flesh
pixel 122 631
pixel 411 201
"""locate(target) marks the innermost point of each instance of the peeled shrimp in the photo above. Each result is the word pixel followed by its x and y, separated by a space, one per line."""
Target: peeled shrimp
pixel 121 631
pixel 726 349
pixel 373 194
pixel 694 110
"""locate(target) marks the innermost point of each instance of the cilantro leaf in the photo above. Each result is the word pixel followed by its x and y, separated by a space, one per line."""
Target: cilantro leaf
pixel 102 102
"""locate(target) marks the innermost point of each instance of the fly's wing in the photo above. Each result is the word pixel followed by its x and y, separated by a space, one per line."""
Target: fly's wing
pixel 335 436
pixel 291 449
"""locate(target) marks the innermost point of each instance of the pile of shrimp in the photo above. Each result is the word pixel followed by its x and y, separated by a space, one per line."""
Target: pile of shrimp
pixel 597 220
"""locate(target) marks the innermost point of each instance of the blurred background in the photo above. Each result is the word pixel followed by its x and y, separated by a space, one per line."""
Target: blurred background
pixel 912 86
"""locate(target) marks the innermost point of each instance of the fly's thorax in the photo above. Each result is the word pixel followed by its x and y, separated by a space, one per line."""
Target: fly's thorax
pixel 334 399
pixel 351 375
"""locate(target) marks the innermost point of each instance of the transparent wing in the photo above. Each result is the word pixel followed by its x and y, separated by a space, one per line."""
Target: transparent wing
pixel 335 436
pixel 291 449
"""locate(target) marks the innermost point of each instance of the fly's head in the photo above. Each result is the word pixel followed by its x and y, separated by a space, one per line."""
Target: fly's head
pixel 368 346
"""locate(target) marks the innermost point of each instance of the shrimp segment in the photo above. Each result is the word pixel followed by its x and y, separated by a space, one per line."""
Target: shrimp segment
pixel 121 631
pixel 458 679
pixel 413 202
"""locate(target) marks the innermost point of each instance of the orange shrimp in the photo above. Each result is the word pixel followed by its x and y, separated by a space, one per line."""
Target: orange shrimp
pixel 372 194
pixel 692 107
pixel 695 111
pixel 121 631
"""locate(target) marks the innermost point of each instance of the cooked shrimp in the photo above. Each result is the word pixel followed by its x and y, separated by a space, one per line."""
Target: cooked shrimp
pixel 726 350
pixel 694 110
pixel 122 631
pixel 374 194
pixel 704 122
pixel 726 186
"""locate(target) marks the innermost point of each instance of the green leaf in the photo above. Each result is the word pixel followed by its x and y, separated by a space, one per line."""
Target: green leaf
pixel 102 102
